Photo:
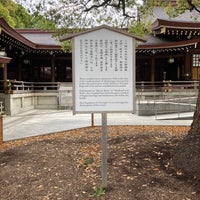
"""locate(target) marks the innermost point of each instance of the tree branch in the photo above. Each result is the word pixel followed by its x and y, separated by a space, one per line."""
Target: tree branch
pixel 193 6
pixel 121 4
pixel 104 3
pixel 124 10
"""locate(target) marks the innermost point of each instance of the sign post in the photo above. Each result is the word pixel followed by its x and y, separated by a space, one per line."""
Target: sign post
pixel 104 150
pixel 103 61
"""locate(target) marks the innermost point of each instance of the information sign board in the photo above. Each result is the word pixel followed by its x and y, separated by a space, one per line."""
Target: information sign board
pixel 104 72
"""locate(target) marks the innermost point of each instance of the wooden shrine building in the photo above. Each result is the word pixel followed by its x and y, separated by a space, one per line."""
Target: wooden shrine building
pixel 172 51
pixel 36 55
pixel 30 58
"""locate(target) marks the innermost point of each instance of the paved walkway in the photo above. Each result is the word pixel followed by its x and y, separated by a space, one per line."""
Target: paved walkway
pixel 38 122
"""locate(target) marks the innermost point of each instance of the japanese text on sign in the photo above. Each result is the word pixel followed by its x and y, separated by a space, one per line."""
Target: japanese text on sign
pixel 106 55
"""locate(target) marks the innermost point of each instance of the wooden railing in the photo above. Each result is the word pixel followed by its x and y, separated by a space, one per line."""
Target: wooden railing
pixel 166 86
pixel 13 86
pixel 167 97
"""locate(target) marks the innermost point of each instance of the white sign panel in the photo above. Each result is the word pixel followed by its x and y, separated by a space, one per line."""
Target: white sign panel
pixel 103 72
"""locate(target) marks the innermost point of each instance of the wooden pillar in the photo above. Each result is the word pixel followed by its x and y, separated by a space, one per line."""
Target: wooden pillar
pixel 188 67
pixel 5 76
pixel 3 62
pixel 53 69
pixel 31 70
pixel 153 68
pixel 19 77
pixel 1 129
pixel 92 119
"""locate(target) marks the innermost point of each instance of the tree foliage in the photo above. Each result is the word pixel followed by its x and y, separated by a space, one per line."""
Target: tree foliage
pixel 87 13
pixel 14 14
pixel 182 7
pixel 81 14
pixel 140 28
pixel 18 17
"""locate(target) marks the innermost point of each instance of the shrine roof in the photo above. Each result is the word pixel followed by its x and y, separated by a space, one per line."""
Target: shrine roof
pixel 7 31
pixel 152 40
pixel 187 16
pixel 159 45
pixel 120 31
pixel 175 24
pixel 187 23
pixel 40 37
pixel 32 39
pixel 4 60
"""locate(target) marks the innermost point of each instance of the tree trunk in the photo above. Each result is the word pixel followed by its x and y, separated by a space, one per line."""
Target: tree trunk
pixel 187 154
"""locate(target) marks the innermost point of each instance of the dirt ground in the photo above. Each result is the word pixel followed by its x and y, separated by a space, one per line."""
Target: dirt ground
pixel 67 166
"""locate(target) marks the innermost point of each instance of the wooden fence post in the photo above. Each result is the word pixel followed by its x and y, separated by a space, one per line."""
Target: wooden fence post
pixel 92 119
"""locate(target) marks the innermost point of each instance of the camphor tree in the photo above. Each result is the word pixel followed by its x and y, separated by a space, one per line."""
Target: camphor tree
pixel 187 154
pixel 124 13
